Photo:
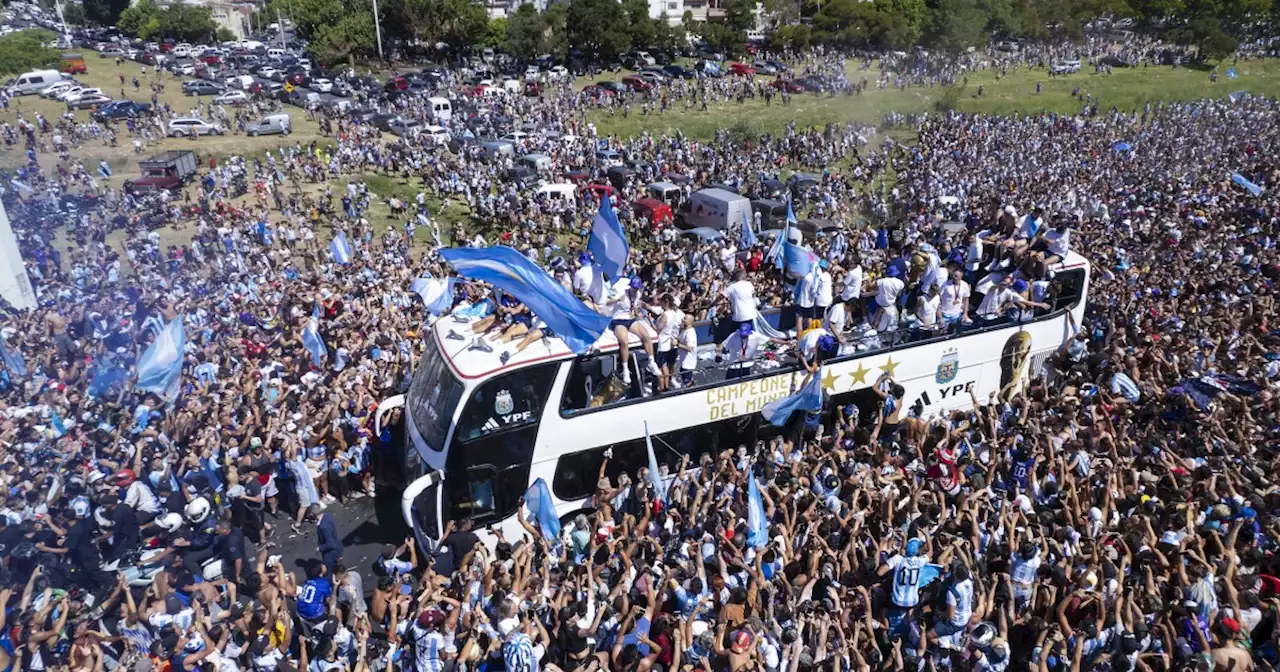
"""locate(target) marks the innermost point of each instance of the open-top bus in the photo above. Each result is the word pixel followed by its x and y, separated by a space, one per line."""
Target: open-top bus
pixel 480 431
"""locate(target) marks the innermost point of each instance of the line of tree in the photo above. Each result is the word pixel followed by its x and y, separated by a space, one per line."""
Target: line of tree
pixel 187 23
pixel 338 30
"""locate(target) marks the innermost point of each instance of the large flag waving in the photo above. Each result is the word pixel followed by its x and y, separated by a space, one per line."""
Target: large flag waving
pixel 514 273
pixel 160 367
pixel 436 293
pixel 757 524
pixel 608 244
pixel 807 399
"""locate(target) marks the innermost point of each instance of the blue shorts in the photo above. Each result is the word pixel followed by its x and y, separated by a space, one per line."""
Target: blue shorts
pixel 625 324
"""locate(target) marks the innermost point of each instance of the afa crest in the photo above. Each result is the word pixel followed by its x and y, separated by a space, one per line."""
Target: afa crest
pixel 948 367
pixel 502 404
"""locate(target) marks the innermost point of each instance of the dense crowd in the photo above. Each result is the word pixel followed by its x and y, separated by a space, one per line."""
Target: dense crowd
pixel 1116 510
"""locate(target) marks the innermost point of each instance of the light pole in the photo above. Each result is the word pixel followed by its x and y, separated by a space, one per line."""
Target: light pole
pixel 377 28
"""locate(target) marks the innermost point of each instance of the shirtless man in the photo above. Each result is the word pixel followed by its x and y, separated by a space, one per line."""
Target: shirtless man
pixel 57 330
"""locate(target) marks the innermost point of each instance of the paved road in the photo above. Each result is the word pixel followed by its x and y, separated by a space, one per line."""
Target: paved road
pixel 364 524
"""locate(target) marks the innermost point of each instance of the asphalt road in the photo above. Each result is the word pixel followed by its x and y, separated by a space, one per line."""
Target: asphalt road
pixel 365 525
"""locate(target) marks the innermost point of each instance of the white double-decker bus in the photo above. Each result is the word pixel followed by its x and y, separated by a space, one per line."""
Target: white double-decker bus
pixel 480 431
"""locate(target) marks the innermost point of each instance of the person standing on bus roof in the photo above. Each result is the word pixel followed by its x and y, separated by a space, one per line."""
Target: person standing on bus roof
pixel 688 346
pixel 886 292
pixel 743 346
pixel 742 299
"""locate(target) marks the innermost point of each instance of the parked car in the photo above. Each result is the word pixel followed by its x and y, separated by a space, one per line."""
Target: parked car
pixel 53 90
pixel 121 109
pixel 636 83
pixel 72 95
pixel 232 98
pixel 272 123
pixel 89 101
pixel 404 128
pixel 200 87
pixel 598 91
pixel 437 135
pixel 677 72
pixel 788 85
pixel 322 85
pixel 192 127
pixel 111 52
pixel 742 69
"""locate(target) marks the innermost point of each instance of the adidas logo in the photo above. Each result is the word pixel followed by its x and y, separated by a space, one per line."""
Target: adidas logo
pixel 489 425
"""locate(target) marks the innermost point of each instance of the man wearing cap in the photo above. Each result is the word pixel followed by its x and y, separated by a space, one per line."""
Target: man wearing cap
pixel 907 569
pixel 432 651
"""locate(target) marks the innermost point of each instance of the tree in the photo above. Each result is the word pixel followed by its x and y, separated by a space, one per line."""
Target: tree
pixel 597 27
pixel 740 15
pixel 24 50
pixel 103 12
pixel 496 34
pixel 224 35
pixel 642 30
pixel 73 13
pixel 955 25
pixel 524 32
pixel 142 20
pixel 458 24
pixel 555 38
pixel 351 35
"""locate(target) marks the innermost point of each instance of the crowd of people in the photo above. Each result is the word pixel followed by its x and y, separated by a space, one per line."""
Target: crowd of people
pixel 1115 510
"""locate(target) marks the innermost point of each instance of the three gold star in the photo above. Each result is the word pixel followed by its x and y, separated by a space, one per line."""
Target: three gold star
pixel 890 366
pixel 860 374
pixel 829 380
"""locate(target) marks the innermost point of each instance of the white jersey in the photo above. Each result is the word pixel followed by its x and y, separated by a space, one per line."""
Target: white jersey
pixel 960 596
pixel 1023 570
pixel 906 579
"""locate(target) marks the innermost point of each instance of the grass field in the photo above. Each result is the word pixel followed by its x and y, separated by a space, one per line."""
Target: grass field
pixel 1126 89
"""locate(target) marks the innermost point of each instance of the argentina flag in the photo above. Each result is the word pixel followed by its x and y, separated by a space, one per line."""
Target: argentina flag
pixel 160 367
pixel 512 272
pixel 312 342
pixel 436 293
pixel 608 244
pixel 757 523
pixel 340 249
pixel 13 360
pixel 807 399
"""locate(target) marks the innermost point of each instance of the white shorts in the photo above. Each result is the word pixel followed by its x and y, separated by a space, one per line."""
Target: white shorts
pixel 270 489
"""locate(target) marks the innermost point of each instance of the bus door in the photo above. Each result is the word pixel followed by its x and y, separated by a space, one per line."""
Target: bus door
pixel 421 506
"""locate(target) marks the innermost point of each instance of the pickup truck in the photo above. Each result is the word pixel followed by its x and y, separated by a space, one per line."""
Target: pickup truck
pixel 169 170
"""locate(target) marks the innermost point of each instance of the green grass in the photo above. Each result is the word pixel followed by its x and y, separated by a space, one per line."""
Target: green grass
pixel 1126 89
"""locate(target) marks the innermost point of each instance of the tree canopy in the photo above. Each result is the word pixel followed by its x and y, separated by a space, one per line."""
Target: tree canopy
pixel 24 50
pixel 148 21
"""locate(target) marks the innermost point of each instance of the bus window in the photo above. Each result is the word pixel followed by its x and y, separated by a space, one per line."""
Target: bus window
pixel 576 473
pixel 1070 288
pixel 433 395
pixel 593 382
pixel 484 493
pixel 506 402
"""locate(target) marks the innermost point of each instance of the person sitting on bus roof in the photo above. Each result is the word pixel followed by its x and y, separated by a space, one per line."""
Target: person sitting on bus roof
pixel 622 300
pixel 814 345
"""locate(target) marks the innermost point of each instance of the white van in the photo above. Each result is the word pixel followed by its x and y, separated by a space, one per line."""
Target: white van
pixel 35 82
pixel 242 82
pixel 441 109
pixel 275 53
pixel 564 191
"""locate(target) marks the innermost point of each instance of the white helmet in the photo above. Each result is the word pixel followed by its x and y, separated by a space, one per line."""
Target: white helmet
pixel 170 522
pixel 198 510
pixel 80 507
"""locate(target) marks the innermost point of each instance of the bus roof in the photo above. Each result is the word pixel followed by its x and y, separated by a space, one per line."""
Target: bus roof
pixel 471 363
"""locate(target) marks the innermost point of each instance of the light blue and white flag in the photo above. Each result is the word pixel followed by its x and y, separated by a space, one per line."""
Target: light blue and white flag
pixel 655 474
pixel 13 360
pixel 807 399
pixel 436 293
pixel 312 342
pixel 608 243
pixel 340 249
pixel 1249 186
pixel 160 367
pixel 757 523
pixel 543 510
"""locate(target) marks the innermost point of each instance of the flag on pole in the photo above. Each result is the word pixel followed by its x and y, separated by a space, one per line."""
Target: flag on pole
pixel 757 524
pixel 160 367
pixel 340 249
pixel 807 399
pixel 799 259
pixel 747 235
pixel 655 474
pixel 505 268
pixel 538 499
pixel 608 244
pixel 775 253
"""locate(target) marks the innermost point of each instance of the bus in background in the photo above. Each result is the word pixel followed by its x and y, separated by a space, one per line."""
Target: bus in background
pixel 479 431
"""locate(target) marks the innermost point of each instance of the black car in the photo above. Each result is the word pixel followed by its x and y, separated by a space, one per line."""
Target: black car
pixel 200 87
pixel 122 109
pixel 678 72
pixel 613 86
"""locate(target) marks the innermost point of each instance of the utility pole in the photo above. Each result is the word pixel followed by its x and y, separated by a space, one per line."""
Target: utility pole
pixel 377 28
pixel 280 27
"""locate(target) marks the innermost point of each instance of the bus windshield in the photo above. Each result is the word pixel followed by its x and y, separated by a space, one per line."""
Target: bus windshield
pixel 433 396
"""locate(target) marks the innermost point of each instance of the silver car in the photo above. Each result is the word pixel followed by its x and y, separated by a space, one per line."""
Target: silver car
pixel 272 123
